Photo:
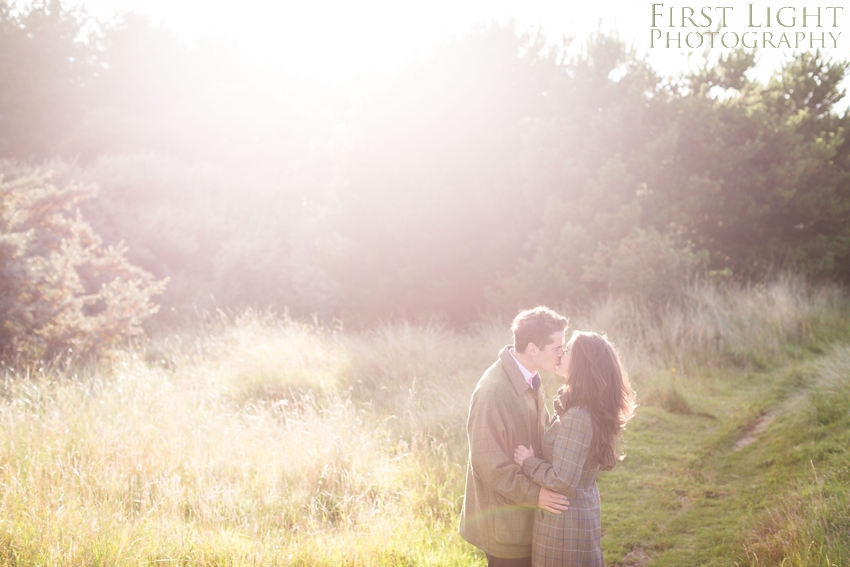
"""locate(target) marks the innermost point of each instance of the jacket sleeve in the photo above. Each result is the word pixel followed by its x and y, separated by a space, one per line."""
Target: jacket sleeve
pixel 572 445
pixel 491 447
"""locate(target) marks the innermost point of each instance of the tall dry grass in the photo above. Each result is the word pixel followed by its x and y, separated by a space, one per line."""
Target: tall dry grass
pixel 256 439
pixel 715 325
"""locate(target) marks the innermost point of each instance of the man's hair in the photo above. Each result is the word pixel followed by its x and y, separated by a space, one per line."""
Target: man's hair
pixel 536 326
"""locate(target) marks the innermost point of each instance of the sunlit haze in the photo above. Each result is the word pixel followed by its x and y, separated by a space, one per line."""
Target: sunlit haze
pixel 369 159
pixel 334 40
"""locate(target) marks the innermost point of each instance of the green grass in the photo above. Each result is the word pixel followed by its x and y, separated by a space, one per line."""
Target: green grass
pixel 690 494
pixel 257 440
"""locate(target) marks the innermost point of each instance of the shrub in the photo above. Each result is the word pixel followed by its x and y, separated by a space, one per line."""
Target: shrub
pixel 646 264
pixel 60 287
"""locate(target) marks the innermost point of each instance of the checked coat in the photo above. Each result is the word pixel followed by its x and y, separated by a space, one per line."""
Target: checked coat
pixel 500 501
pixel 571 538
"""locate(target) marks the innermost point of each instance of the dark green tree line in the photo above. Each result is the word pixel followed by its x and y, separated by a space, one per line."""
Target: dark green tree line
pixel 759 177
pixel 498 171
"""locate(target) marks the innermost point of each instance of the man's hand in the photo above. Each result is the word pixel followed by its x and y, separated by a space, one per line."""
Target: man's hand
pixel 552 501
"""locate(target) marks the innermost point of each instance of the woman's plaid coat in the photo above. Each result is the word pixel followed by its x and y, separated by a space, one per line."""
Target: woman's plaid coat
pixel 572 537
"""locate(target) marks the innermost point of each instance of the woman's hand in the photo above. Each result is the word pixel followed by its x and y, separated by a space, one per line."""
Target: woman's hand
pixel 521 453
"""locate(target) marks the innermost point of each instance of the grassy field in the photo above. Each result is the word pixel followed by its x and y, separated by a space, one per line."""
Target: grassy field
pixel 257 440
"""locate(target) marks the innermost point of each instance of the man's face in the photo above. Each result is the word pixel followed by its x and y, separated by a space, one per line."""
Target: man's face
pixel 549 357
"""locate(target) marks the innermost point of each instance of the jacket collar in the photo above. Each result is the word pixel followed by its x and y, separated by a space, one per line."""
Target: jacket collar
pixel 514 374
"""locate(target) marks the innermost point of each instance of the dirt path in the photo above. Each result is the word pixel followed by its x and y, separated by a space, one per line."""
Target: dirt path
pixel 752 432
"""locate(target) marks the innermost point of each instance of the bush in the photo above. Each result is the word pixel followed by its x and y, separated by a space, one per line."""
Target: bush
pixel 60 287
pixel 646 264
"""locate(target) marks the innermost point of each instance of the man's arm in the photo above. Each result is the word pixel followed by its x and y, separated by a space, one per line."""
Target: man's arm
pixel 552 501
pixel 492 457
pixel 487 428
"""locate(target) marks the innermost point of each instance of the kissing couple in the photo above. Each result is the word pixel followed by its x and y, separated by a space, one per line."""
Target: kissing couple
pixel 531 495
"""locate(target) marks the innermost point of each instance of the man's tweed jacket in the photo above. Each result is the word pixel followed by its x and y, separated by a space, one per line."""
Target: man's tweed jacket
pixel 500 501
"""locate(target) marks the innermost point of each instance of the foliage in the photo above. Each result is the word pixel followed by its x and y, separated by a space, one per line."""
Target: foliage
pixel 760 176
pixel 604 131
pixel 645 264
pixel 499 171
pixel 46 71
pixel 224 237
pixel 747 176
pixel 61 287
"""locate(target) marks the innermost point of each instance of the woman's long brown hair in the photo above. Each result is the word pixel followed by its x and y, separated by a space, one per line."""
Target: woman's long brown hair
pixel 597 382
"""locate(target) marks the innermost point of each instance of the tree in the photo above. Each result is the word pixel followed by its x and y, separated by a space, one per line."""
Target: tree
pixel 648 179
pixel 48 59
pixel 586 161
pixel 61 288
pixel 760 173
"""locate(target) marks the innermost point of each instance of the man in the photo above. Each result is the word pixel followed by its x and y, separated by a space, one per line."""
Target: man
pixel 508 408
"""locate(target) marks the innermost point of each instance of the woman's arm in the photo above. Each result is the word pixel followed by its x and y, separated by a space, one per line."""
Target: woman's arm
pixel 572 444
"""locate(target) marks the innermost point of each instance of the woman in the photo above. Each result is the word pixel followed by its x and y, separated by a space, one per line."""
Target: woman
pixel 593 406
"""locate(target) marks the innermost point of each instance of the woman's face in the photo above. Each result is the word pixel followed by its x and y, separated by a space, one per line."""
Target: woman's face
pixel 565 360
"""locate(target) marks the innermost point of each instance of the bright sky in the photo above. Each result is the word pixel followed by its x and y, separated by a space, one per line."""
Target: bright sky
pixel 334 39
